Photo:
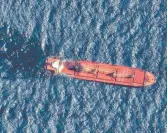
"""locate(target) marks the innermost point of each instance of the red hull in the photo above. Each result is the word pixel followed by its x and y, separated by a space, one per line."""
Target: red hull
pixel 100 72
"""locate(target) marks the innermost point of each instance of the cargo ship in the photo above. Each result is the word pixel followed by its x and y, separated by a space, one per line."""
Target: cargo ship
pixel 100 72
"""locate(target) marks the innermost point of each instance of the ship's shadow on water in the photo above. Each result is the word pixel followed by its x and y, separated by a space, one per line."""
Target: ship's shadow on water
pixel 19 56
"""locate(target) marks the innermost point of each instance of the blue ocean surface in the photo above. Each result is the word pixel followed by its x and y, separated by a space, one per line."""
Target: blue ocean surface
pixel 123 32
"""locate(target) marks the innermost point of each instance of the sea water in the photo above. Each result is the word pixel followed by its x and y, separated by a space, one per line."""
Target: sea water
pixel 122 32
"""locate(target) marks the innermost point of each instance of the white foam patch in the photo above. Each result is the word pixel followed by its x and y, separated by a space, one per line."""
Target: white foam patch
pixel 119 53
pixel 45 27
pixel 134 60
pixel 29 30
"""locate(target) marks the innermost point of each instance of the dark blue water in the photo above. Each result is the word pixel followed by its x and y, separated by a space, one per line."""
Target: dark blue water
pixel 131 33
